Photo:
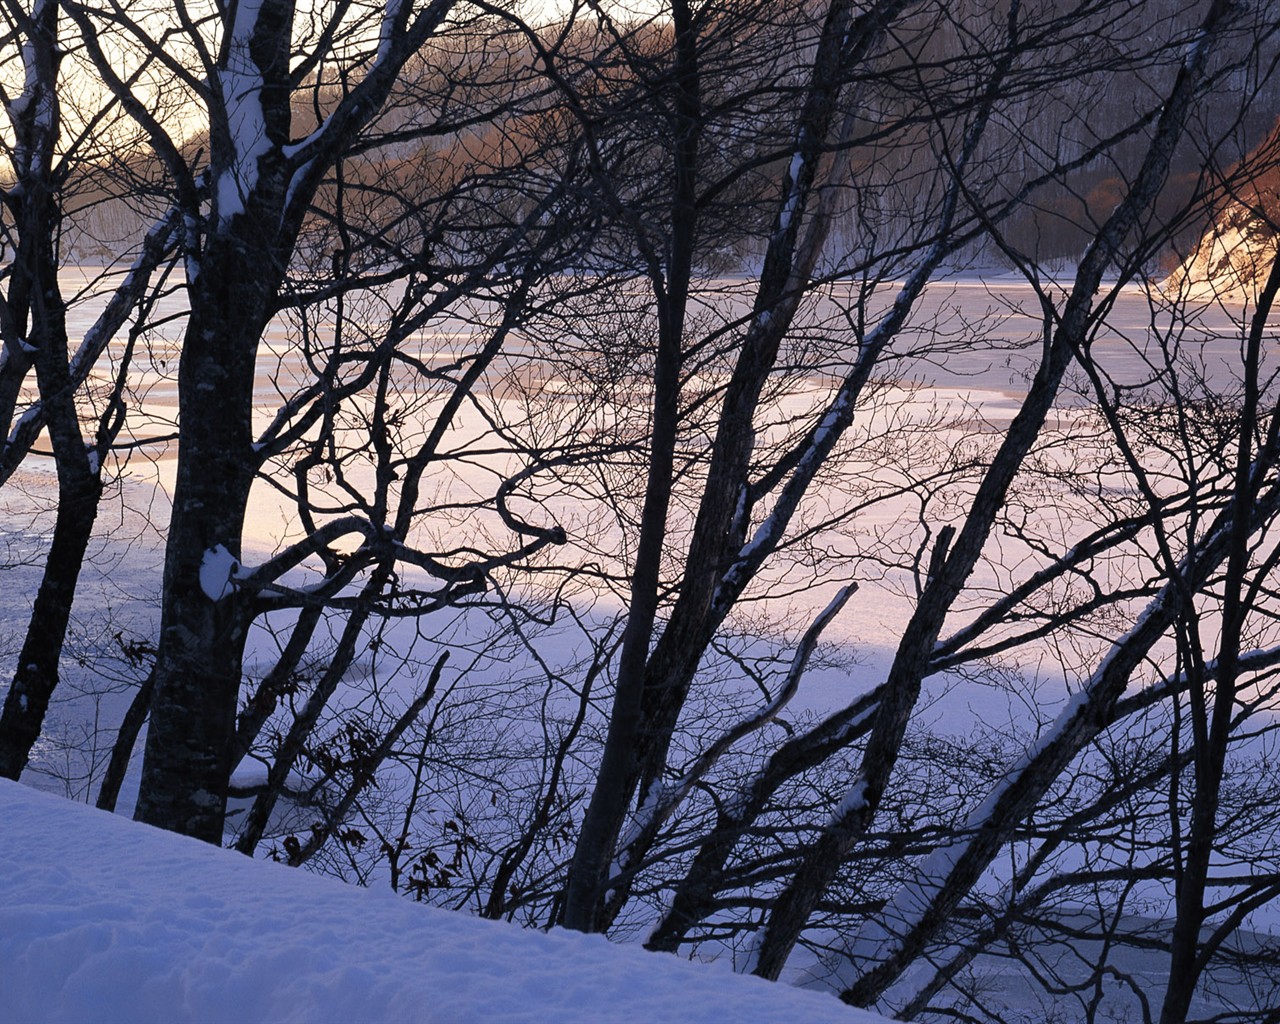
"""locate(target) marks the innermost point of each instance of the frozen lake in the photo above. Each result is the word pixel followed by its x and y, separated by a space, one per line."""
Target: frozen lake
pixel 962 367
pixel 982 334
pixel 982 339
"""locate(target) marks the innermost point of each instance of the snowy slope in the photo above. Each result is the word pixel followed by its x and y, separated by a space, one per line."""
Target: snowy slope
pixel 1231 262
pixel 106 920
pixel 1235 255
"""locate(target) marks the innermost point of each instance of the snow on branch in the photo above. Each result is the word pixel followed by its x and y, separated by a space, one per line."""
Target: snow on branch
pixel 159 242
pixel 241 83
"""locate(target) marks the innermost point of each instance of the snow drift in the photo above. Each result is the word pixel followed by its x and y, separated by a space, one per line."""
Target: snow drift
pixel 107 920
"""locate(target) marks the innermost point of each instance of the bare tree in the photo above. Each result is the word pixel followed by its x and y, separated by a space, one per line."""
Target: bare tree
pixel 672 621
pixel 52 151
pixel 244 209
pixel 697 478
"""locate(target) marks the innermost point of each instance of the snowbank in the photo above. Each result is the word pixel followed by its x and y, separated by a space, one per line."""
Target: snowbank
pixel 103 920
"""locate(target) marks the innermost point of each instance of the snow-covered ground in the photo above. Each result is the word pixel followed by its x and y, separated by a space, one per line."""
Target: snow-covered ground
pixel 104 920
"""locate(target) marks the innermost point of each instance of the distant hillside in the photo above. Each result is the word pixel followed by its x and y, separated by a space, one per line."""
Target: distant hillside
pixel 1235 254
pixel 1043 125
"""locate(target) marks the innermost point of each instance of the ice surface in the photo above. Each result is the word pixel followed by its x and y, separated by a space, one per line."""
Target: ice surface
pixel 105 920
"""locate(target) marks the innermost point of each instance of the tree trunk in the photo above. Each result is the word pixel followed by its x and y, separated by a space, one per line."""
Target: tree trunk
pixel 1213 737
pixel 606 811
pixel 231 286
pixel 126 739
pixel 191 738
pixel 36 676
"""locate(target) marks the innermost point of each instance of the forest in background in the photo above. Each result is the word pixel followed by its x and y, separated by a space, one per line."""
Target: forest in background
pixel 102 220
